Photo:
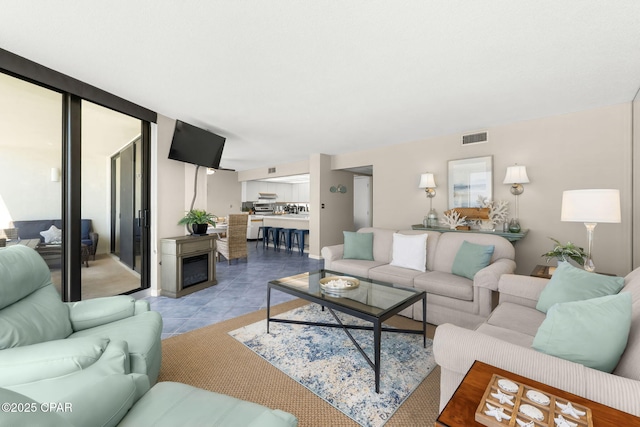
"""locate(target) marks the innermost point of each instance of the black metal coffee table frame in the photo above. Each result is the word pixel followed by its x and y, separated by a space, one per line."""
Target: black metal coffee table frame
pixel 334 304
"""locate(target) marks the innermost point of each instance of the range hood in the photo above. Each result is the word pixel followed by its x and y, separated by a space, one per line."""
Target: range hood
pixel 267 196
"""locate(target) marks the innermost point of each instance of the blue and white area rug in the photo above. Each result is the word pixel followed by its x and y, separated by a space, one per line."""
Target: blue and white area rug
pixel 325 361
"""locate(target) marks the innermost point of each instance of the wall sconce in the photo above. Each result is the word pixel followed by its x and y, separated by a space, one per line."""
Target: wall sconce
pixel 211 171
pixel 55 175
pixel 429 184
pixel 339 189
pixel 516 176
pixel 590 207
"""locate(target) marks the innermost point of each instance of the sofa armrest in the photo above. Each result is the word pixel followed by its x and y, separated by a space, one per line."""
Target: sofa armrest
pixel 49 359
pixel 520 289
pixel 455 349
pixel 100 311
pixel 332 253
pixel 489 276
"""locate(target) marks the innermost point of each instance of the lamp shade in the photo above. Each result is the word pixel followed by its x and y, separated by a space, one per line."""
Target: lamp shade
pixel 591 206
pixel 516 175
pixel 427 181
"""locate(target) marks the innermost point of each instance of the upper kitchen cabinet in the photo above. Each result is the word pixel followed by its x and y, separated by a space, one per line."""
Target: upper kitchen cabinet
pixel 289 193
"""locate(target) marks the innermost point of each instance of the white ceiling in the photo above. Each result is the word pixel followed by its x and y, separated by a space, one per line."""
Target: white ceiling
pixel 284 79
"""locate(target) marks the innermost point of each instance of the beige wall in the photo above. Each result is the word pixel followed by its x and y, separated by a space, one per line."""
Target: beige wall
pixel 636 180
pixel 331 213
pixel 223 193
pixel 168 193
pixel 287 169
pixel 589 149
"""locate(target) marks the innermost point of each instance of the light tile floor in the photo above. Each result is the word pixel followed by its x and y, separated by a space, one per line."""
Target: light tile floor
pixel 241 289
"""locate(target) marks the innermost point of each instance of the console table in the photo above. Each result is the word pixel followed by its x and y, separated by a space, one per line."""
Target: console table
pixel 188 264
pixel 512 237
pixel 461 409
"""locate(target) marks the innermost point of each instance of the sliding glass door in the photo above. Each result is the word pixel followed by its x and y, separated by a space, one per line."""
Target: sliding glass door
pixel 56 151
pixel 107 135
pixel 30 170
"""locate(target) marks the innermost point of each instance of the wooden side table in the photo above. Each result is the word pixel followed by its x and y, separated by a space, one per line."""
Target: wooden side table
pixel 542 271
pixel 461 409
pixel 545 271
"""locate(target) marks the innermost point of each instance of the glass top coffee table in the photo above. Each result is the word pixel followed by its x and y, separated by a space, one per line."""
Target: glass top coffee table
pixel 369 300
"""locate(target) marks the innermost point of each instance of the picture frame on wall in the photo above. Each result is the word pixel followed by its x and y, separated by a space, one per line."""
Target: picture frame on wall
pixel 468 180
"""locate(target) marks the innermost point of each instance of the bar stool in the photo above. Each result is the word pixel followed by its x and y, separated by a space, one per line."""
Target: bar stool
pixel 273 234
pixel 298 237
pixel 286 235
pixel 265 230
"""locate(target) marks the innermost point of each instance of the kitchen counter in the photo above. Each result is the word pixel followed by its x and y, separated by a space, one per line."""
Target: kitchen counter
pixel 287 221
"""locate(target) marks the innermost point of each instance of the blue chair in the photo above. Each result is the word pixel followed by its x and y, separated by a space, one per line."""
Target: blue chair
pixel 298 238
pixel 273 235
pixel 265 232
pixel 286 238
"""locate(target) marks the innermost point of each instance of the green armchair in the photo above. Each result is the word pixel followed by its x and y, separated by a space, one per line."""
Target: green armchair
pixel 40 333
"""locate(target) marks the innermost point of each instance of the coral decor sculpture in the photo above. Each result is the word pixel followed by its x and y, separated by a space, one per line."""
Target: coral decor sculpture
pixel 498 211
pixel 451 219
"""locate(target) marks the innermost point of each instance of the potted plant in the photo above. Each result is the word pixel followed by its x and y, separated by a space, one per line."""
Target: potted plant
pixel 566 252
pixel 198 220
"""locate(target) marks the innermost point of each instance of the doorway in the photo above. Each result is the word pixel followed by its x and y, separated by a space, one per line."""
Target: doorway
pixel 126 205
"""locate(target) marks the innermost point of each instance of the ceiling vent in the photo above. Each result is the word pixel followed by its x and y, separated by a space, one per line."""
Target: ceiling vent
pixel 475 138
pixel 272 170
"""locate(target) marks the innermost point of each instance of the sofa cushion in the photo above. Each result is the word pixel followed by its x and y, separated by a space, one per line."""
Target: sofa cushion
pixel 591 332
pixel 355 267
pixel 49 359
pixel 628 366
pixel 471 258
pixel 382 242
pixel 173 404
pixel 445 284
pixel 506 334
pixel 410 251
pixel 38 317
pixel 17 283
pixel 358 245
pixel 391 274
pixel 524 320
pixel 569 283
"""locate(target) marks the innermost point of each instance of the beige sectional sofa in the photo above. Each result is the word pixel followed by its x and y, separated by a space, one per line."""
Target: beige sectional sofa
pixel 505 340
pixel 450 298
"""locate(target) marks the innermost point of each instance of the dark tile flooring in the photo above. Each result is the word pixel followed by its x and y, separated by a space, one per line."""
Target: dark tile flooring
pixel 241 289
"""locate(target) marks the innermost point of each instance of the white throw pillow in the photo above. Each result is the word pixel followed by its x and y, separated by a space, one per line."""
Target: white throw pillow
pixel 53 235
pixel 410 251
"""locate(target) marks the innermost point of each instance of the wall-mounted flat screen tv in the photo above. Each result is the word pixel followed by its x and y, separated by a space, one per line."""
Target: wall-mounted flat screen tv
pixel 198 146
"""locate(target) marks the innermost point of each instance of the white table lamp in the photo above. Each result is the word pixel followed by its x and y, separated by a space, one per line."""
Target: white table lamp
pixel 429 184
pixel 516 176
pixel 591 207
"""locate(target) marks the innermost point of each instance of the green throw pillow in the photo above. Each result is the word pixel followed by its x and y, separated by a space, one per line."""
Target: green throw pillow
pixel 358 245
pixel 569 283
pixel 592 332
pixel 471 258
